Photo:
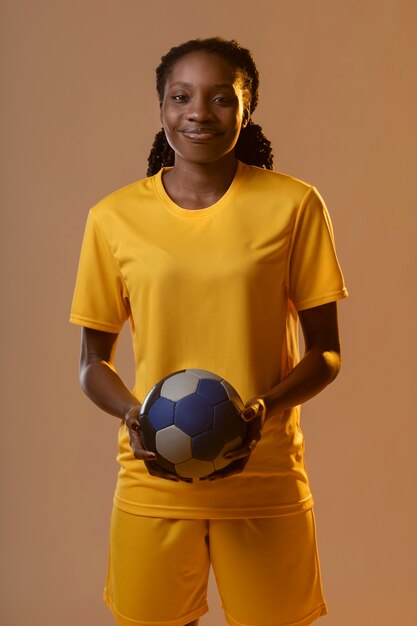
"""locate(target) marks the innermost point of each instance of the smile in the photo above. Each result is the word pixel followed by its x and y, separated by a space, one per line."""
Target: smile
pixel 199 134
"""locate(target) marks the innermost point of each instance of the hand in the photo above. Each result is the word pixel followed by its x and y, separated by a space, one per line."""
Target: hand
pixel 149 458
pixel 254 414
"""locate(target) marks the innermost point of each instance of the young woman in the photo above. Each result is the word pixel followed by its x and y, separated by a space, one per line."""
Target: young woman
pixel 213 258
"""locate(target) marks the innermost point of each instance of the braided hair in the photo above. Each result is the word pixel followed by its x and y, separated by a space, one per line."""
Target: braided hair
pixel 252 146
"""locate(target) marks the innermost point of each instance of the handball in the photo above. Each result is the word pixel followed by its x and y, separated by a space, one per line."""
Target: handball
pixel 190 419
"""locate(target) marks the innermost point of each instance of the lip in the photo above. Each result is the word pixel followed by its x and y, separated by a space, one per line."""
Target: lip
pixel 200 134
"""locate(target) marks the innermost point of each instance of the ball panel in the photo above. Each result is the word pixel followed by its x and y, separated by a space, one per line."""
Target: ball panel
pixel 233 394
pixel 227 421
pixel 212 390
pixel 220 462
pixel 204 374
pixel 206 446
pixel 193 415
pixel 194 468
pixel 173 444
pixel 161 413
pixel 179 385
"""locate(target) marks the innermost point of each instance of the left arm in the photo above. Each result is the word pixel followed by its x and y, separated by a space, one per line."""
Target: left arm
pixel 318 367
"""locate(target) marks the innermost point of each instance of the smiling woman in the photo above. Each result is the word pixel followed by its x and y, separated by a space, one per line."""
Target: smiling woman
pixel 202 114
pixel 203 103
pixel 234 82
pixel 214 259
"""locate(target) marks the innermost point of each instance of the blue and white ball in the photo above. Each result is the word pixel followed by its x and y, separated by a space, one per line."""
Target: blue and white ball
pixel 190 419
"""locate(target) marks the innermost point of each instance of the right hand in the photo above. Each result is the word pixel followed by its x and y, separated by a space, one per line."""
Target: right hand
pixel 149 458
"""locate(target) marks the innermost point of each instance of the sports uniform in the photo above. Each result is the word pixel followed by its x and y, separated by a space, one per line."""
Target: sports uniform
pixel 217 289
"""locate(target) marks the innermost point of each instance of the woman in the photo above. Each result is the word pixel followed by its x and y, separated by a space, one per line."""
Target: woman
pixel 213 258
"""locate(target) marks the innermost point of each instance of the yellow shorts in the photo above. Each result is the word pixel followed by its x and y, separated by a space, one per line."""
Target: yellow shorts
pixel 267 570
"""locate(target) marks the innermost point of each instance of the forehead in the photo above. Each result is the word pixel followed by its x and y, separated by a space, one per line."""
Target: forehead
pixel 203 67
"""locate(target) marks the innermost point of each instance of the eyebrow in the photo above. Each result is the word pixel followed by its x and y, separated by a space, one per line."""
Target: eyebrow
pixel 220 86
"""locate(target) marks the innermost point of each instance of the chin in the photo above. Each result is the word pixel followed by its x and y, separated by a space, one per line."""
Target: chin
pixel 204 157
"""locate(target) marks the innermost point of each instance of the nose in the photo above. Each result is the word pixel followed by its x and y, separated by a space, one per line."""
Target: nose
pixel 199 109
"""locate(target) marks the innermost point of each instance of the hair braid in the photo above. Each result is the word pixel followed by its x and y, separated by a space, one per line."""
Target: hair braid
pixel 252 146
pixel 161 155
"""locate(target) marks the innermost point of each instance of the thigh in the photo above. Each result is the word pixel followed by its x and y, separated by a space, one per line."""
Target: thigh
pixel 267 570
pixel 157 570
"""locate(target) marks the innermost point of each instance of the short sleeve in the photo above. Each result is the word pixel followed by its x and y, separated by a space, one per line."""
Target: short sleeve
pixel 100 299
pixel 314 275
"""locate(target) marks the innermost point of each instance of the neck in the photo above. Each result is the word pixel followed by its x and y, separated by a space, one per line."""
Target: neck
pixel 203 178
pixel 199 185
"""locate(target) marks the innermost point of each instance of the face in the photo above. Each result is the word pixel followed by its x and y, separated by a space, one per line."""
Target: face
pixel 203 109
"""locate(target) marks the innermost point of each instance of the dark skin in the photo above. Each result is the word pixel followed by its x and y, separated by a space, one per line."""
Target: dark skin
pixel 203 110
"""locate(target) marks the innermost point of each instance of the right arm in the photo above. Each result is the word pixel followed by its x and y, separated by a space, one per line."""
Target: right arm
pixel 101 383
pixel 98 377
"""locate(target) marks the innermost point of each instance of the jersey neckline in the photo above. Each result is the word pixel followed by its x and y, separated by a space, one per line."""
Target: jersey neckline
pixel 198 213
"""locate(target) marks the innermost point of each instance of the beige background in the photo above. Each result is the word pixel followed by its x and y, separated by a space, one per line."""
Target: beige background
pixel 79 111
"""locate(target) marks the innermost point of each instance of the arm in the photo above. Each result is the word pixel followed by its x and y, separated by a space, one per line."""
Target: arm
pixel 101 383
pixel 318 367
pixel 98 377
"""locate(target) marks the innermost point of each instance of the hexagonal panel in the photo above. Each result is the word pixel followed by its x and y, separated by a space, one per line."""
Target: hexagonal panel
pixel 206 446
pixel 212 390
pixel 173 444
pixel 204 374
pixel 220 462
pixel 161 413
pixel 194 468
pixel 193 415
pixel 179 385
pixel 227 422
pixel 233 394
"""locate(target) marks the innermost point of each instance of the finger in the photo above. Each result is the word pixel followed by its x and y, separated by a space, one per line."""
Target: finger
pixel 139 451
pixel 171 477
pixel 155 470
pixel 159 472
pixel 249 413
pixel 243 451
pixel 236 467
pixel 141 454
pixel 134 426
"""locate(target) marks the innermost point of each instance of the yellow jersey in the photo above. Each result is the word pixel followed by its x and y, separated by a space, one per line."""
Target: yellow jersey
pixel 216 289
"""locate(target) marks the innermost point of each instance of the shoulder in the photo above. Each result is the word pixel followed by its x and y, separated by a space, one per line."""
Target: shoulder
pixel 279 187
pixel 122 200
pixel 273 181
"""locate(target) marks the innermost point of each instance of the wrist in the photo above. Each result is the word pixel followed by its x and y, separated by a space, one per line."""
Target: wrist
pixel 255 409
pixel 263 410
pixel 131 412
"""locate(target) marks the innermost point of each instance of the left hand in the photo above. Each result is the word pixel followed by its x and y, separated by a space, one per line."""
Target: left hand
pixel 254 414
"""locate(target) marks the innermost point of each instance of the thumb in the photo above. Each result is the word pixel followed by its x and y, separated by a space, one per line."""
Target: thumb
pixel 249 413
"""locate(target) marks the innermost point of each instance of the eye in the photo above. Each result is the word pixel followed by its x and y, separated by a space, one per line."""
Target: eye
pixel 221 99
pixel 180 97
